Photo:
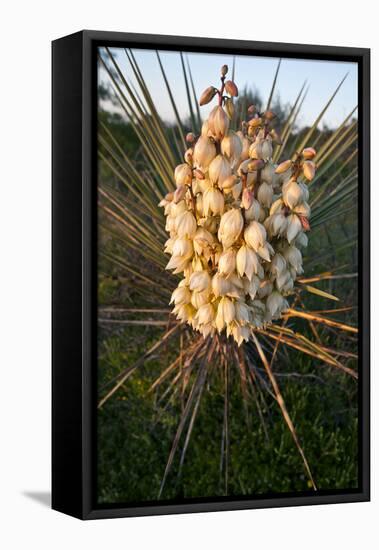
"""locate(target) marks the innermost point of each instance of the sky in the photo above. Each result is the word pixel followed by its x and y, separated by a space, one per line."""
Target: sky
pixel 254 72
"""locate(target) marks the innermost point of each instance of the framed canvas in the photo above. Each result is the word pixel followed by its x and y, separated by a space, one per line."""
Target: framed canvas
pixel 210 274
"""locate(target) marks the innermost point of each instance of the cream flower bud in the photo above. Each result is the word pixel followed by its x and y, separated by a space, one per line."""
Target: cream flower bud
pixel 227 262
pixel 184 312
pixel 185 224
pixel 275 304
pixel 251 287
pixel 247 198
pixel 292 193
pixel 231 225
pixel 204 152
pixel 278 264
pixel 188 156
pixel 231 146
pixel 294 258
pixel 268 173
pixel 241 334
pixel 229 182
pixel 261 149
pixel 245 146
pixel 255 235
pixel 253 213
pixel 309 153
pixel 303 209
pixel 219 170
pixel 278 224
pixel 207 95
pixel 294 227
pixel 247 262
pixel 236 190
pixel 181 295
pixel 213 201
pixel 178 263
pixel 301 240
pixel 265 252
pixel 182 247
pixel 183 174
pixel 218 122
pixel 180 193
pixel 231 88
pixel 265 289
pixel 202 240
pixel 200 280
pixel 242 312
pixel 220 285
pixel 200 298
pixel 205 314
pixel 225 313
pixel 283 167
pixel 265 194
pixel 309 169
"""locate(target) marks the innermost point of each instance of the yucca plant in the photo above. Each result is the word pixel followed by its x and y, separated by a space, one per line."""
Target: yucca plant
pixel 239 195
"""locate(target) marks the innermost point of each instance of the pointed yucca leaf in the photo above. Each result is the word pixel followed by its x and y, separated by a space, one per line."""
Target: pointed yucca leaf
pixel 319 292
pixel 158 124
pixel 136 176
pixel 348 135
pixel 317 319
pixel 283 408
pixel 273 86
pixel 143 128
pixel 192 116
pixel 306 140
pixel 175 109
pixel 290 122
pixel 143 200
pixel 124 174
pixel 331 178
pixel 329 142
pixel 194 94
pixel 197 384
pixel 153 130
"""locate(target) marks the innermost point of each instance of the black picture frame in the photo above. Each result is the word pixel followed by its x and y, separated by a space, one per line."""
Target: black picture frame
pixel 74 204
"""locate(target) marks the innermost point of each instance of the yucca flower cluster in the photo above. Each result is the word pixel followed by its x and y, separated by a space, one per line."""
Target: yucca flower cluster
pixel 236 221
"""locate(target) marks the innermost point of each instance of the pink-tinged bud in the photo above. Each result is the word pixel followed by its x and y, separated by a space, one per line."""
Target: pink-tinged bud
pixel 309 169
pixel 231 88
pixel 269 115
pixel 304 223
pixel 207 95
pixel 256 164
pixel 247 198
pixel 251 109
pixel 180 193
pixel 283 167
pixel 198 174
pixel 224 70
pixel 309 153
pixel 188 156
pixel 190 137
